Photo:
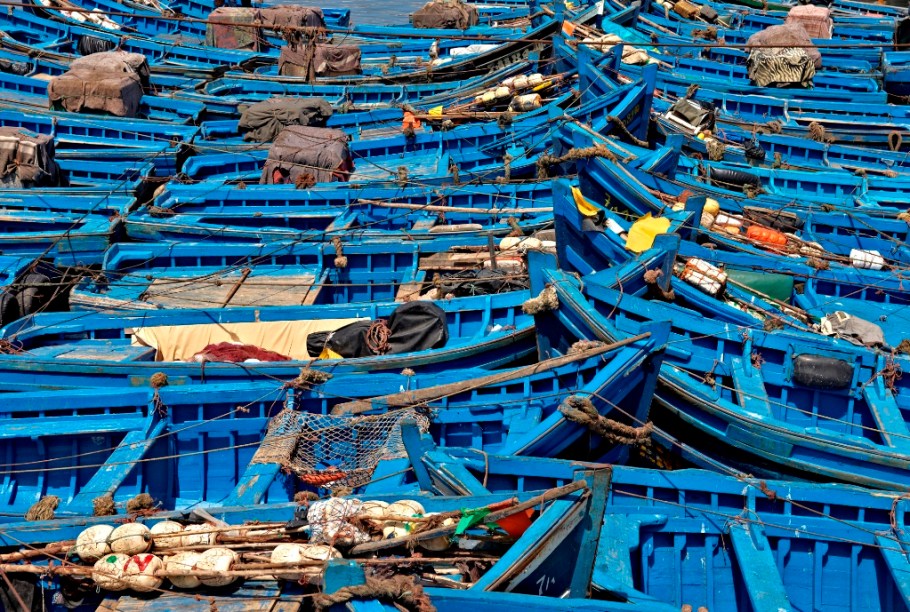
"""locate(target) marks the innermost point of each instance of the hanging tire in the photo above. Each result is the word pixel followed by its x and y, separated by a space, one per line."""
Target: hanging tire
pixel 34 293
pixel 9 308
pixel 734 177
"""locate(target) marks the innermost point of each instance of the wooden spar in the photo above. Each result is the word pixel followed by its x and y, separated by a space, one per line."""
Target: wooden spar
pixel 245 273
pixel 490 518
pixel 240 569
pixel 50 550
pixel 456 209
pixel 409 398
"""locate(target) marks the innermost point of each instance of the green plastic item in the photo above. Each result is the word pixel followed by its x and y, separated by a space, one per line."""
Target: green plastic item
pixel 777 286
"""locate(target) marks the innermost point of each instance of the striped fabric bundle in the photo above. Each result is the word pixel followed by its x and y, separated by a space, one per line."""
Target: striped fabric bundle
pixel 781 67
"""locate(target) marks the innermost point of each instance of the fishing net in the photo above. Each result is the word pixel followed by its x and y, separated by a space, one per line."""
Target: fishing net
pixel 331 451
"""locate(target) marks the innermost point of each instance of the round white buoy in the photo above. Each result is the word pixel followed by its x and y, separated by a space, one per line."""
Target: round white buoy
pixel 131 539
pixel 217 560
pixel 296 553
pixel 166 534
pixel 183 561
pixel 108 572
pixel 139 572
pixel 92 543
pixel 401 508
pixel 440 543
pixel 373 511
pixel 198 535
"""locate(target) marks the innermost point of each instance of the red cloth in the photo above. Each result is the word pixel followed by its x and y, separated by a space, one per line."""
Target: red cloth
pixel 235 353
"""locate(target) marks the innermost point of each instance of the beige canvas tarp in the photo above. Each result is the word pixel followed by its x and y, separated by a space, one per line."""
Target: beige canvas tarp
pixel 181 342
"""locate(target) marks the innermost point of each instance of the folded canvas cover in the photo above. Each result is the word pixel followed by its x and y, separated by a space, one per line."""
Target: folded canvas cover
pixel 326 60
pixel 308 155
pixel 27 159
pixel 234 28
pixel 446 14
pixel 263 121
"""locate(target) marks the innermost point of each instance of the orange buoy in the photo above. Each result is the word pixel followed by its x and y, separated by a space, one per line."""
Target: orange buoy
pixel 766 235
pixel 409 122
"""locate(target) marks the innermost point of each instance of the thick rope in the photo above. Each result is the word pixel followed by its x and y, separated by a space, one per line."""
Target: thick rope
pixel 401 591
pixel 580 410
pixel 141 503
pixel 547 300
pixel 340 260
pixel 716 149
pixel 377 337
pixel 772 127
pixel 103 506
pixel 43 509
pixel 818 133
pixel 625 130
pixel 545 161
pixel 583 346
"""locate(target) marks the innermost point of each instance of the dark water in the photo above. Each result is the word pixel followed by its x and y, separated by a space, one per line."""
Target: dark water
pixel 377 12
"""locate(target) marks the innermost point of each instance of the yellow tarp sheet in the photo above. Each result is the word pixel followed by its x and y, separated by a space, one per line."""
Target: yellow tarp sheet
pixel 181 342
pixel 642 233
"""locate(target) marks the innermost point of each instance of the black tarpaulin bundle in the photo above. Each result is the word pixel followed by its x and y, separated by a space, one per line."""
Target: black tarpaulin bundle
pixel 446 14
pixel 305 156
pixel 412 327
pixel 27 159
pixel 263 121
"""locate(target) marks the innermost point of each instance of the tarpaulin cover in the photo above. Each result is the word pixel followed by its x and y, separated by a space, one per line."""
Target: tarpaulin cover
pixel 644 230
pixel 295 16
pixel 263 121
pixel 303 155
pixel 349 341
pixel 413 326
pixel 181 342
pixel 780 67
pixel 234 29
pixel 417 326
pixel 446 14
pixel 114 62
pixel 117 93
pixel 27 159
pixel 815 20
pixel 859 331
pixel 696 114
pixel 326 60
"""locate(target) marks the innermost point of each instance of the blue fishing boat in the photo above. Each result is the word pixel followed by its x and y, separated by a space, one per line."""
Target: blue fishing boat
pixel 827 234
pixel 478 151
pixel 82 349
pixel 187 275
pixel 708 529
pixel 773 402
pixel 545 553
pixel 124 442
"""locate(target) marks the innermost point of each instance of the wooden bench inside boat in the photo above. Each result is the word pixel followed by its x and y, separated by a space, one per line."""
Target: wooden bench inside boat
pixel 101 350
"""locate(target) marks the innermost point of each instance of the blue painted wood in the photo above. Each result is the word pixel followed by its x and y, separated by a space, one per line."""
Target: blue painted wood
pixel 758 566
